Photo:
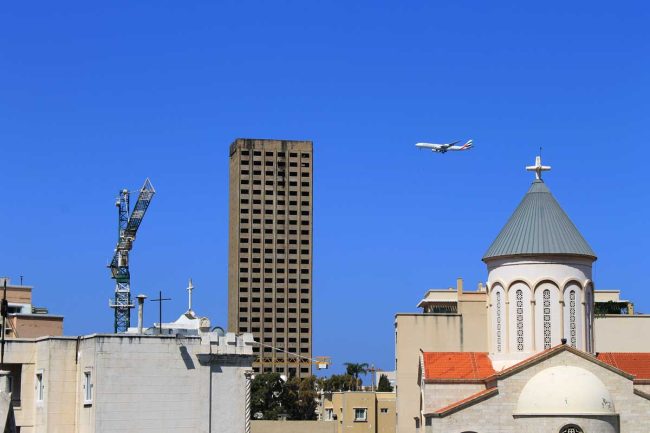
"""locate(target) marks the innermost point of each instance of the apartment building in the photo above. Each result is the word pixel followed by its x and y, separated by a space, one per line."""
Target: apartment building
pixel 360 411
pixel 24 319
pixel 270 251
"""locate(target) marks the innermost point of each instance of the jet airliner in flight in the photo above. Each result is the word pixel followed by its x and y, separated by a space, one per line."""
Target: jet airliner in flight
pixel 442 148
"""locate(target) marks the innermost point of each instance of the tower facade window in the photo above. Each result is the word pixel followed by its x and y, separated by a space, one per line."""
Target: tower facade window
pixel 547 318
pixel 499 323
pixel 574 316
pixel 572 319
pixel 519 294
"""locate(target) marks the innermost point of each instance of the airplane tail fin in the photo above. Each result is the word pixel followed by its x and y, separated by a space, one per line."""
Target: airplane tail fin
pixel 468 145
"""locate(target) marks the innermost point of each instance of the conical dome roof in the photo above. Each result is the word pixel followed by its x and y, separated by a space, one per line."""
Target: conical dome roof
pixel 539 226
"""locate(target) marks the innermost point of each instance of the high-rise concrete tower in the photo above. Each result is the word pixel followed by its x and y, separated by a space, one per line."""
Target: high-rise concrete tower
pixel 270 251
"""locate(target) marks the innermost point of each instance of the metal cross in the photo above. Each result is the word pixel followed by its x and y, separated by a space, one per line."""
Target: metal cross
pixel 160 301
pixel 190 288
pixel 538 168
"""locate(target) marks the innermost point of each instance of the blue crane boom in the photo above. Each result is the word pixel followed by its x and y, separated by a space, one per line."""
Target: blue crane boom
pixel 127 229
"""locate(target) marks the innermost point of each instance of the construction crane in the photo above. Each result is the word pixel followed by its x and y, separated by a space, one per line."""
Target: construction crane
pixel 127 228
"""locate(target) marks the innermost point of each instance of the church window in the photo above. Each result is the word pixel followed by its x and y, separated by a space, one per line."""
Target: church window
pixel 499 322
pixel 547 318
pixel 572 318
pixel 571 429
pixel 520 320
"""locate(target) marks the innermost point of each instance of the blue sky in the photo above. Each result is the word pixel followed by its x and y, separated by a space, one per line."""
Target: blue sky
pixel 96 97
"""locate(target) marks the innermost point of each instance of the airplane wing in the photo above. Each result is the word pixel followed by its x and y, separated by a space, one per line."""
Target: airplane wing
pixel 450 144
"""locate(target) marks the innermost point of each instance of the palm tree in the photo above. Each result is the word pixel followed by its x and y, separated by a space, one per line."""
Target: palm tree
pixel 354 370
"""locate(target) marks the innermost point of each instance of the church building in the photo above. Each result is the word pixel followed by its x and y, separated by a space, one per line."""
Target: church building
pixel 534 367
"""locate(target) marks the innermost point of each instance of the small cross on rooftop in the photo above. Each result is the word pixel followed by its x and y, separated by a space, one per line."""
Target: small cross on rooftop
pixel 538 168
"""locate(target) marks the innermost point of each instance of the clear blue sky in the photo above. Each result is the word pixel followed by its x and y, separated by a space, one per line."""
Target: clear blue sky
pixel 97 96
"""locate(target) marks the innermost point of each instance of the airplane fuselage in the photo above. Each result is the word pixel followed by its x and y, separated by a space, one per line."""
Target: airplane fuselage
pixel 444 148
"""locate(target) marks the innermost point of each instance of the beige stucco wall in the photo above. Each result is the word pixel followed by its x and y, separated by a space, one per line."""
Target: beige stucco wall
pixel 415 332
pixel 386 421
pixel 463 332
pixel 343 405
pixel 622 333
pixel 473 307
pixel 351 401
pixel 495 415
pixel 19 294
pixel 35 325
pixel 292 427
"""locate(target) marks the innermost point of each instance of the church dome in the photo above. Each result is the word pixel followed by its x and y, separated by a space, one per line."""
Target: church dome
pixel 539 226
pixel 565 390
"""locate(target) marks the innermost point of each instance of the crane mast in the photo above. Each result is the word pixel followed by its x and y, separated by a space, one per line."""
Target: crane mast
pixel 127 228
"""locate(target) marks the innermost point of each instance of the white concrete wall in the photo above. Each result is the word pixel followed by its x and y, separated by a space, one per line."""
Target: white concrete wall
pixel 533 276
pixel 140 384
pixel 145 384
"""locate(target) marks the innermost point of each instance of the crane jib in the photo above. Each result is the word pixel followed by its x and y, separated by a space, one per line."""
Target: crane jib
pixel 127 228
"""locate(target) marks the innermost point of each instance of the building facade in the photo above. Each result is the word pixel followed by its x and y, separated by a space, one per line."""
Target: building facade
pixel 534 365
pixel 130 383
pixel 360 411
pixel 24 320
pixel 451 320
pixel 270 251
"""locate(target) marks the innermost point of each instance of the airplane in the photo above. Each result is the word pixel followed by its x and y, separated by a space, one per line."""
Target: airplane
pixel 442 148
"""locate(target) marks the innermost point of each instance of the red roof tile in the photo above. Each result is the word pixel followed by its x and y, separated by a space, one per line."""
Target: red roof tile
pixel 457 365
pixel 636 364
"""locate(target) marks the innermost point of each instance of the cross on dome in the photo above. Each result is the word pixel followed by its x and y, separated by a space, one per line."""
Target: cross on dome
pixel 190 288
pixel 538 168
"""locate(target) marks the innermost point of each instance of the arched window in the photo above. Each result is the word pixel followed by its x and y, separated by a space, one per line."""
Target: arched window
pixel 572 319
pixel 499 315
pixel 571 428
pixel 546 295
pixel 519 296
pixel 574 322
pixel 517 318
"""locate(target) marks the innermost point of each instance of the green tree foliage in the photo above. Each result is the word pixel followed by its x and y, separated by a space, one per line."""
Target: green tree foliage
pixel 354 370
pixel 610 307
pixel 338 382
pixel 267 393
pixel 272 397
pixel 384 384
pixel 301 398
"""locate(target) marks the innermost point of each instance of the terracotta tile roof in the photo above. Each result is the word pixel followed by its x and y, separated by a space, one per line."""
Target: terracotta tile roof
pixel 474 398
pixel 636 364
pixel 457 365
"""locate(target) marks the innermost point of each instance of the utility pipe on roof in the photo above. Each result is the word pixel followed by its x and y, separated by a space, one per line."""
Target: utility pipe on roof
pixel 141 299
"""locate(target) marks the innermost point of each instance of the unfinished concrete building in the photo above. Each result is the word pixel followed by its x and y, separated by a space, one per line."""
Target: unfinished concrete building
pixel 270 251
